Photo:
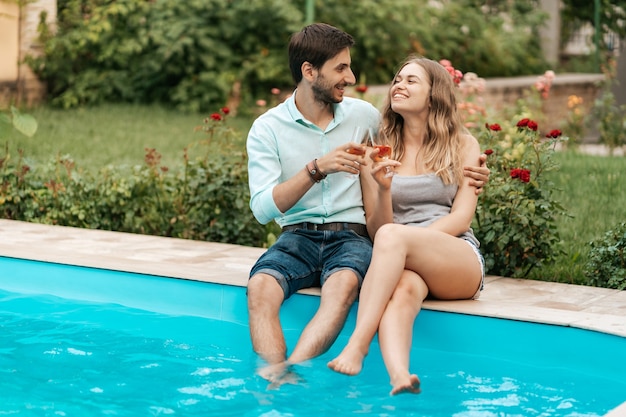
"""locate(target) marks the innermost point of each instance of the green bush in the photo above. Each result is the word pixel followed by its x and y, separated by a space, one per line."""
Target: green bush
pixel 607 260
pixel 517 214
pixel 495 40
pixel 195 54
pixel 189 54
pixel 207 199
pixel 516 218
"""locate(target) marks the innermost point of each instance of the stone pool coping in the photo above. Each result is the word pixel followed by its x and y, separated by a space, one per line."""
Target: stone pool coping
pixel 598 309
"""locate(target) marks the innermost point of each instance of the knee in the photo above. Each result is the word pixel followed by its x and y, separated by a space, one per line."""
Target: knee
pixel 411 290
pixel 344 285
pixel 388 236
pixel 264 291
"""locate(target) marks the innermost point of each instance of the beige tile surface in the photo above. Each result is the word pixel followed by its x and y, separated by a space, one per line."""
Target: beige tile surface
pixel 590 308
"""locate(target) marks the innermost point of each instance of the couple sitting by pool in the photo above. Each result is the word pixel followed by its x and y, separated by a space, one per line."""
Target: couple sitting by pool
pixel 419 218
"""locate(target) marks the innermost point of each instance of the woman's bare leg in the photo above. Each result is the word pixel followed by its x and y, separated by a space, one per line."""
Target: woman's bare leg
pixel 378 285
pixel 395 332
pixel 447 264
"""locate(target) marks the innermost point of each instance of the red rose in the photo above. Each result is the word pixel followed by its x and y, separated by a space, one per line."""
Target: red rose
pixel 532 125
pixel 555 133
pixel 225 110
pixel 495 127
pixel 523 123
pixel 361 88
pixel 488 152
pixel 524 175
pixel 216 116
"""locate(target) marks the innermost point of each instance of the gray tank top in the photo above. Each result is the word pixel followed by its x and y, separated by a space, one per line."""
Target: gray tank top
pixel 419 200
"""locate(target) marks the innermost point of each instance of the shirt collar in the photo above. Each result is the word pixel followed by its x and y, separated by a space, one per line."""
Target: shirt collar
pixel 299 118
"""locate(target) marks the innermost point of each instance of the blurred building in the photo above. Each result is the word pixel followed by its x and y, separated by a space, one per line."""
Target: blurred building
pixel 18 38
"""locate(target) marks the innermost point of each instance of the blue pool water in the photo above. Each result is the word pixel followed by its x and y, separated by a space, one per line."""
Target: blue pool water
pixel 83 342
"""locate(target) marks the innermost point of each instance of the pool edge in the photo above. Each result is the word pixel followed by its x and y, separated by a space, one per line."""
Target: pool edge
pixel 588 308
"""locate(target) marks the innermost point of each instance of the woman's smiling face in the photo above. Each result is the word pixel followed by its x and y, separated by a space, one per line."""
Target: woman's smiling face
pixel 410 91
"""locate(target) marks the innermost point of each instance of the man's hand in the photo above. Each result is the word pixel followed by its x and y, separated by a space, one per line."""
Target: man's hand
pixel 479 176
pixel 345 158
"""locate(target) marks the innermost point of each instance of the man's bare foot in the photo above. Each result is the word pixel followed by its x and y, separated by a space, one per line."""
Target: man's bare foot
pixel 349 361
pixel 411 385
pixel 289 377
pixel 278 374
pixel 273 372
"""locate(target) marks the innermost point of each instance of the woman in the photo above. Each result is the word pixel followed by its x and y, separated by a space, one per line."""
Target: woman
pixel 420 219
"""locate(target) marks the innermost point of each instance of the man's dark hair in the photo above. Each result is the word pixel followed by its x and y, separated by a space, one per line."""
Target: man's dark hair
pixel 316 44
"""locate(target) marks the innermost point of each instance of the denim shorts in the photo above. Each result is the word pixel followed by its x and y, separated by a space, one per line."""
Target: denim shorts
pixel 481 260
pixel 306 258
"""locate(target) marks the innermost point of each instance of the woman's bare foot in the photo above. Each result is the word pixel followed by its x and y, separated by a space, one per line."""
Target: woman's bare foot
pixel 349 361
pixel 410 385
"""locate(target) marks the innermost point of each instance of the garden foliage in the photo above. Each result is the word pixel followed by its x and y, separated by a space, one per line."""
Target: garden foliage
pixel 186 53
pixel 516 218
pixel 517 214
pixel 23 123
pixel 607 260
pixel 610 115
pixel 197 54
pixel 205 200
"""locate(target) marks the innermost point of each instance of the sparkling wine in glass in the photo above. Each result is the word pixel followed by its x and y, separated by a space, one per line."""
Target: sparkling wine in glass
pixel 384 152
pixel 359 135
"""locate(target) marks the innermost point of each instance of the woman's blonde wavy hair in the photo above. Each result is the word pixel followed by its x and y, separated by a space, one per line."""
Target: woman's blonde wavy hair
pixel 442 152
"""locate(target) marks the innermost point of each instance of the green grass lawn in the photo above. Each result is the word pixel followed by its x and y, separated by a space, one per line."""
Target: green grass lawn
pixel 591 188
pixel 593 191
pixel 114 134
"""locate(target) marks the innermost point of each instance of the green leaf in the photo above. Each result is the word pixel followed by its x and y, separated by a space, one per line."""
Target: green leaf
pixel 24 123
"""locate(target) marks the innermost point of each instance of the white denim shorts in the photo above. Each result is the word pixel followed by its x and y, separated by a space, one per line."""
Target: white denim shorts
pixel 481 261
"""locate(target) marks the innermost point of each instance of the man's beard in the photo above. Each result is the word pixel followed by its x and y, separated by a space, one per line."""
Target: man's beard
pixel 323 93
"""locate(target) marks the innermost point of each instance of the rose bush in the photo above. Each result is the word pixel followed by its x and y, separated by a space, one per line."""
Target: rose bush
pixel 516 216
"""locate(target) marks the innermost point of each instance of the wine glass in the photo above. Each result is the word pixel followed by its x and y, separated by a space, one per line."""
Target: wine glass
pixel 384 152
pixel 361 135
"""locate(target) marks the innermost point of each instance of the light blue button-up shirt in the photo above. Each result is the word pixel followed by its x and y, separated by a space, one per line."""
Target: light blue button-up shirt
pixel 281 142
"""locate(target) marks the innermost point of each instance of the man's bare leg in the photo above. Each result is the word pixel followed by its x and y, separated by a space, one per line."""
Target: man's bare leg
pixel 265 297
pixel 338 294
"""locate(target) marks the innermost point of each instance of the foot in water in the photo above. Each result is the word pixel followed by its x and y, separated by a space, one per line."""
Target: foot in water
pixel 410 385
pixel 278 374
pixel 349 362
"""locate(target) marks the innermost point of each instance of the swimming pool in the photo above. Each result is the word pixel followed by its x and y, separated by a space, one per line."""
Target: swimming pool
pixel 84 341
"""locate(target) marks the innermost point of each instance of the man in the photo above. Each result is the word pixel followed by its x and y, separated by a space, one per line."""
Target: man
pixel 299 166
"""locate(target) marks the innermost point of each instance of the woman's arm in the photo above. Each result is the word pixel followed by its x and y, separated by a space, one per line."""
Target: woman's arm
pixel 376 190
pixel 464 207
